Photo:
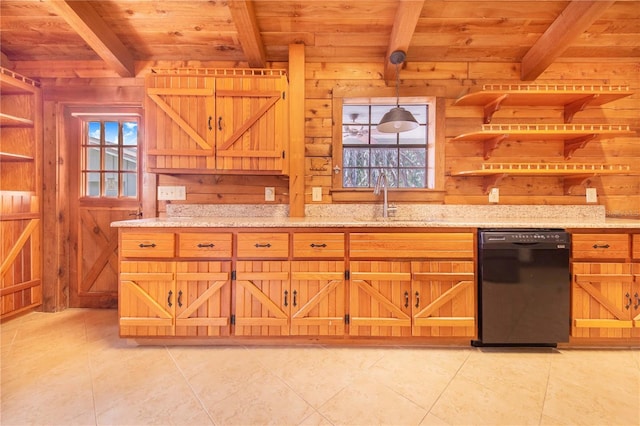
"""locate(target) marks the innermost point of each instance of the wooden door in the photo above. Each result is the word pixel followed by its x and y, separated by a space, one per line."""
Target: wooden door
pixel 180 119
pixel 105 178
pixel 317 298
pixel 147 298
pixel 379 298
pixel 262 298
pixel 251 124
pixel 443 298
pixel 602 300
pixel 203 298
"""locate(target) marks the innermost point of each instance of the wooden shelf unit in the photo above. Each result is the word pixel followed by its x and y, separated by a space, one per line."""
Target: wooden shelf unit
pixel 574 174
pixel 574 136
pixel 574 98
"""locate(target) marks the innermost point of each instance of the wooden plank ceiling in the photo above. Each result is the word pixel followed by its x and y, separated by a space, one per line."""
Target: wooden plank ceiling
pixel 84 38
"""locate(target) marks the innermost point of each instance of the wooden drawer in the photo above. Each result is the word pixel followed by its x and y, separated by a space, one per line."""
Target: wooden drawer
pixel 204 244
pixel 263 245
pixel 600 246
pixel 635 246
pixel 412 245
pixel 318 244
pixel 147 244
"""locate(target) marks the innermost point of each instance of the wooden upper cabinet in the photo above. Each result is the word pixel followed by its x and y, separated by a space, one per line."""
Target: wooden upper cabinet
pixel 217 121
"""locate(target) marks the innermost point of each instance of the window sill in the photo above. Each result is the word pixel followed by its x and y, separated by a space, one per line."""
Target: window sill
pixel 394 195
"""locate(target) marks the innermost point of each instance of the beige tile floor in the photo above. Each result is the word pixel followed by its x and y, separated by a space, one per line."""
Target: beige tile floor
pixel 71 368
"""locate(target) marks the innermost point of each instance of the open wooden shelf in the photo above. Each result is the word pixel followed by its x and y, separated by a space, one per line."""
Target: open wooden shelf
pixel 574 174
pixel 574 98
pixel 7 120
pixel 14 158
pixel 575 136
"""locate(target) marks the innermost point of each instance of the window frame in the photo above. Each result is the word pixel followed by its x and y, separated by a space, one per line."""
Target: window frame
pixel 436 137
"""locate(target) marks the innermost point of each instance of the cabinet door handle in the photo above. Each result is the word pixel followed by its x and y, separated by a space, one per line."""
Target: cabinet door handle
pixel 141 245
pixel 637 305
pixel 180 299
pixel 206 245
pixel 220 123
pixel 263 245
pixel 286 294
pixel 312 245
pixel 295 294
pixel 209 123
pixel 596 246
pixel 417 299
pixel 169 298
pixel 629 301
pixel 406 299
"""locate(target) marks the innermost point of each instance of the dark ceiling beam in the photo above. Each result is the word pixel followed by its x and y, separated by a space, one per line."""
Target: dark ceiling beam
pixel 404 25
pixel 572 21
pixel 86 22
pixel 246 24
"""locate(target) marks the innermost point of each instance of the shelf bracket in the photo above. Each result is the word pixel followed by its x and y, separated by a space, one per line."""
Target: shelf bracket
pixel 489 182
pixel 571 182
pixel 577 106
pixel 491 144
pixel 492 107
pixel 571 145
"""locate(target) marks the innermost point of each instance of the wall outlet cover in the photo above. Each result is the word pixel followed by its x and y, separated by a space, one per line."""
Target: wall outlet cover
pixel 316 193
pixel 269 193
pixel 592 195
pixel 494 195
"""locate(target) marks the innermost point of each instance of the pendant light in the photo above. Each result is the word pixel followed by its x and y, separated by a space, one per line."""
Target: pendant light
pixel 397 119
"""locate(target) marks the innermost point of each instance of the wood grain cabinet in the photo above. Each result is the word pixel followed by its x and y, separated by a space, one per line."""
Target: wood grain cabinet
pixel 20 193
pixel 605 291
pixel 217 121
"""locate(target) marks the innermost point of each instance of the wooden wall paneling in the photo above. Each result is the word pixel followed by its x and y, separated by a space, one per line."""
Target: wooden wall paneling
pixel 297 129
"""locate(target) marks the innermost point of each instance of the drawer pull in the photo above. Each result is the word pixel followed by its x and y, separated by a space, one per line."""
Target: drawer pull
pixel 169 298
pixel 596 246
pixel 263 245
pixel 141 245
pixel 206 245
pixel 312 245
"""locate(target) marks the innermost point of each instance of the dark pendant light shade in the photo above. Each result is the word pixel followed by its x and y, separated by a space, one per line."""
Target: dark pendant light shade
pixel 397 119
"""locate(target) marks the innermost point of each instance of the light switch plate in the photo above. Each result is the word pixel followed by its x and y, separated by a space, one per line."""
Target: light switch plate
pixel 269 193
pixel 592 195
pixel 316 193
pixel 494 195
pixel 172 193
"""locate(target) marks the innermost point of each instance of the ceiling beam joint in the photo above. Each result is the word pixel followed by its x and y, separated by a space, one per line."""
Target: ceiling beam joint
pixel 249 36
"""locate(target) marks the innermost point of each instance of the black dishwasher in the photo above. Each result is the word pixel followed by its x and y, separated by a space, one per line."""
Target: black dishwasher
pixel 523 287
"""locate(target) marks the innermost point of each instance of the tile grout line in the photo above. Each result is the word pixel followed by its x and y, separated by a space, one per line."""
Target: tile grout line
pixel 195 394
pixel 91 376
pixel 546 389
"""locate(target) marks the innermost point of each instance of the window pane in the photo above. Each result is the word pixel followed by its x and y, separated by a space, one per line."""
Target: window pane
pixel 419 112
pixel 413 157
pixel 355 178
pixel 110 184
pixel 356 157
pixel 93 137
pixel 378 111
pixel 92 184
pixel 392 177
pixel 129 184
pixel 93 159
pixel 130 159
pixel 111 158
pixel 417 136
pixel 384 157
pixel 412 178
pixel 130 133
pixel 111 132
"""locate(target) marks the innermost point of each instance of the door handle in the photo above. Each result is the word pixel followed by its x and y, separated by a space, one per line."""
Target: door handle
pixel 180 299
pixel 417 299
pixel 209 123
pixel 295 297
pixel 286 294
pixel 169 298
pixel 406 299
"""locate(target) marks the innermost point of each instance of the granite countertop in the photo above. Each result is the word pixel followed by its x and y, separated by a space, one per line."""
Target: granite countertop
pixel 372 222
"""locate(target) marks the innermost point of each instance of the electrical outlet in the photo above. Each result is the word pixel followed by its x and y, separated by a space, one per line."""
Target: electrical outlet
pixel 592 195
pixel 494 195
pixel 269 193
pixel 316 193
pixel 172 193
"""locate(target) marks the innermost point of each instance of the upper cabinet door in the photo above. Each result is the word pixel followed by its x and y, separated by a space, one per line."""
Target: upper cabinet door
pixel 252 130
pixel 180 122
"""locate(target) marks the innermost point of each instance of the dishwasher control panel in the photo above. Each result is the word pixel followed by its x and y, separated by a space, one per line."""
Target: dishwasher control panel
pixel 524 236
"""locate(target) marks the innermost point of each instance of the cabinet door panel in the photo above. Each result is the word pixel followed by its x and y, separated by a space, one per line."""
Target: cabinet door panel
pixel 600 305
pixel 203 298
pixel 262 298
pixel 443 298
pixel 318 298
pixel 250 123
pixel 379 299
pixel 146 298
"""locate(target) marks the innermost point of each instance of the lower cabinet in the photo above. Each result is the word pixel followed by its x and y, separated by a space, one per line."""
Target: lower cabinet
pixel 281 298
pixel 169 298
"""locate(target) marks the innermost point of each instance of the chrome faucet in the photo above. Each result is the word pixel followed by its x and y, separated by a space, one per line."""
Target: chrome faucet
pixel 381 182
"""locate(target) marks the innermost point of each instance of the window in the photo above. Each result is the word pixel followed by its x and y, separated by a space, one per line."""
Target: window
pixel 109 158
pixel 361 153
